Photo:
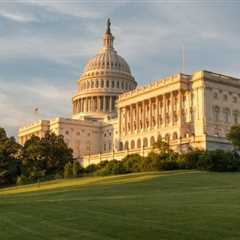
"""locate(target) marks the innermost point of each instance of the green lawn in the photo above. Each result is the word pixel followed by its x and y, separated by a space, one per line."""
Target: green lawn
pixel 165 205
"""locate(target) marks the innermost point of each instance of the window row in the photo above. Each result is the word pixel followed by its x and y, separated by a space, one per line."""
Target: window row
pixel 225 114
pixel 145 142
pixel 106 84
pixel 224 97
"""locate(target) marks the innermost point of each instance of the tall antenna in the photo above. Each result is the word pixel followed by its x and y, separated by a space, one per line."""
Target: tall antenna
pixel 183 58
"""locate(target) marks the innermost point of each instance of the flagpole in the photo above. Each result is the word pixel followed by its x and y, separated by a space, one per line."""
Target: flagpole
pixel 183 58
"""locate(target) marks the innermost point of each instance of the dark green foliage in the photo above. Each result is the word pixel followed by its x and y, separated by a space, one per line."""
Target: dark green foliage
pixel 68 170
pixel 77 169
pixel 45 157
pixel 92 168
pixel 219 160
pixel 9 153
pixel 113 167
pixel 131 163
pixel 21 180
pixel 234 136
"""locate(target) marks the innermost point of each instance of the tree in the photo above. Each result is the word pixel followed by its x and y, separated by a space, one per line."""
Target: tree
pixel 9 151
pixel 162 146
pixel 33 159
pixel 77 169
pixel 45 157
pixel 234 136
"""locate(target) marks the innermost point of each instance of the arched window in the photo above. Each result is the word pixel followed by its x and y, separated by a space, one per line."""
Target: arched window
pixel 139 143
pixel 92 84
pixel 226 114
pixel 159 138
pixel 145 142
pixel 97 84
pixel 132 144
pixel 216 111
pixel 235 117
pixel 152 141
pixel 122 85
pixel 102 83
pixel 113 85
pixel 117 84
pixel 120 146
pixel 88 84
pixel 107 84
pixel 175 136
pixel 215 95
pixel 167 137
pixel 184 116
pixel 126 147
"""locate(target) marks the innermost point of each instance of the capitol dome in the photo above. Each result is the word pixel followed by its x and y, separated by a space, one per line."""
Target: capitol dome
pixel 110 59
pixel 104 78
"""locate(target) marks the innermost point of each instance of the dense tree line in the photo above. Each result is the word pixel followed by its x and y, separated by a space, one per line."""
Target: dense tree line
pixel 50 158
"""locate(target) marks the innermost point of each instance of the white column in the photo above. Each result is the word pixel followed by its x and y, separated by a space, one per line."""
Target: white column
pixel 150 113
pixel 172 111
pixel 164 109
pixel 157 112
pixel 137 117
pixel 104 103
pixel 110 104
pixel 143 120
pixel 99 104
pixel 131 117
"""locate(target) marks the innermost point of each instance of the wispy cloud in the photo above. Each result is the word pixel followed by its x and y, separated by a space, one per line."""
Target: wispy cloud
pixel 17 17
pixel 83 9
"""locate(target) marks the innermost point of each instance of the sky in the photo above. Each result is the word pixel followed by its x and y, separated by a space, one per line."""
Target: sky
pixel 45 44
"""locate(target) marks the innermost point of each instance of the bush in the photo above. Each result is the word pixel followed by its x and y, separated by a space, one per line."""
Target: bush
pixel 91 168
pixel 77 169
pixel 68 170
pixel 191 158
pixel 113 167
pixel 131 163
pixel 21 180
pixel 219 160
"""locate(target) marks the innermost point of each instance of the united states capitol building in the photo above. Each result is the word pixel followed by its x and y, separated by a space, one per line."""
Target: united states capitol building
pixel 112 117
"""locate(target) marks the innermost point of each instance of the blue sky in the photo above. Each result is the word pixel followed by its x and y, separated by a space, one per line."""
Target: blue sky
pixel 45 44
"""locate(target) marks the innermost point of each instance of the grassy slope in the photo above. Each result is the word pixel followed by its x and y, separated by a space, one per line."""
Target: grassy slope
pixel 170 205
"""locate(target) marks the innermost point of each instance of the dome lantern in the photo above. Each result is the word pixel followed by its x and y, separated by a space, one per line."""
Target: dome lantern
pixel 108 37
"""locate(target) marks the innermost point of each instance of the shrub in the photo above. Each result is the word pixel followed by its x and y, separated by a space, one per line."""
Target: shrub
pixel 91 168
pixel 131 163
pixel 113 167
pixel 219 160
pixel 21 180
pixel 68 170
pixel 77 169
